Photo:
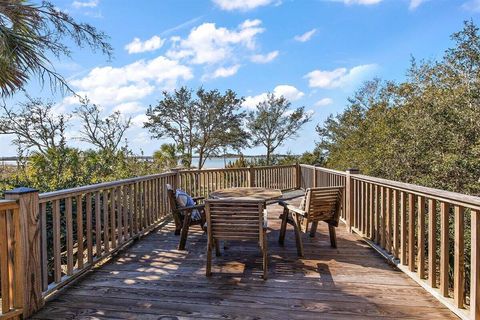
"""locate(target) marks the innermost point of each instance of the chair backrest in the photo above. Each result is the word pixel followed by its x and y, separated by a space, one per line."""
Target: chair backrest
pixel 324 204
pixel 232 219
pixel 177 217
pixel 171 197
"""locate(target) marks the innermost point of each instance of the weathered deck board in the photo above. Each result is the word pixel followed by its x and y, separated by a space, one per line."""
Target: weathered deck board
pixel 152 280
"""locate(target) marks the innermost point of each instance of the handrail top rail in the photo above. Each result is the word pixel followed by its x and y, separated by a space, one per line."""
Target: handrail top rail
pixel 342 173
pixel 8 204
pixel 52 195
pixel 236 169
pixel 438 194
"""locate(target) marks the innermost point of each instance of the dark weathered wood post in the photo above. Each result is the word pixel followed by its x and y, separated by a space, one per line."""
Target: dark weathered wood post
pixel 315 182
pixel 298 175
pixel 251 176
pixel 30 235
pixel 350 196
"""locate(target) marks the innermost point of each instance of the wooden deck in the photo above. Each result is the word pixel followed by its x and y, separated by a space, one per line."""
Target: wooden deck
pixel 152 280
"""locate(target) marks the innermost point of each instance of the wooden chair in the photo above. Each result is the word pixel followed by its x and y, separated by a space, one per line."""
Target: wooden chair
pixel 320 204
pixel 236 219
pixel 183 216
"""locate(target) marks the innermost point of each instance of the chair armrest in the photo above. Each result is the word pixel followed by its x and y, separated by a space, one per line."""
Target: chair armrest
pixel 196 199
pixel 265 218
pixel 198 207
pixel 299 211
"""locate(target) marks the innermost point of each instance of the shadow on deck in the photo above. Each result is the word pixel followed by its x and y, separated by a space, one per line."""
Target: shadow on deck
pixel 153 280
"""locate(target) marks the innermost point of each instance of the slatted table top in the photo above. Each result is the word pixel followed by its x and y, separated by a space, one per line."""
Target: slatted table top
pixel 247 193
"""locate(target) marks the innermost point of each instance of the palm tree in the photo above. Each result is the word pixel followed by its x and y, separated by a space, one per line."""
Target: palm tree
pixel 30 33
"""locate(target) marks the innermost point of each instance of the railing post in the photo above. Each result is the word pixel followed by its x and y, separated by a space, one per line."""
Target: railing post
pixel 175 178
pixel 251 176
pixel 349 196
pixel 30 261
pixel 315 182
pixel 298 175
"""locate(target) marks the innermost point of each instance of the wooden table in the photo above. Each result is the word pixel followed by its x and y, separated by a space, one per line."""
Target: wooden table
pixel 264 194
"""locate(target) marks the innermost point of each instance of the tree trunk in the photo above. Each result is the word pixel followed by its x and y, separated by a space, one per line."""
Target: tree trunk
pixel 200 160
pixel 268 156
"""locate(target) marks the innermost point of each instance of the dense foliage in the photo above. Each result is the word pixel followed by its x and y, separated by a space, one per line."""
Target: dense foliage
pixel 425 130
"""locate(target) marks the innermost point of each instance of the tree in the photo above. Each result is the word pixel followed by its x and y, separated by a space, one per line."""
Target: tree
pixel 174 117
pixel 165 157
pixel 219 122
pixel 35 126
pixel 30 33
pixel 207 124
pixel 272 123
pixel 104 133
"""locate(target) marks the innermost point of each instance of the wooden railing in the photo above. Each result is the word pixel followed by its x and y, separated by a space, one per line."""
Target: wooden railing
pixel 81 226
pixel 203 182
pixel 64 233
pixel 422 230
pixel 11 269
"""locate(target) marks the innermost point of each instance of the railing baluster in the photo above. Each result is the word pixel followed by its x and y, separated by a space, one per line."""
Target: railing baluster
pixel 44 251
pixel 383 241
pixel 395 221
pixel 69 231
pixel 459 258
pixel 432 243
pixel 388 220
pixel 98 226
pixel 377 215
pixel 475 266
pixel 80 237
pixel 88 200
pixel 106 230
pixel 56 242
pixel 5 276
pixel 444 248
pixel 421 237
pixel 411 232
pixel 403 229
pixel 113 237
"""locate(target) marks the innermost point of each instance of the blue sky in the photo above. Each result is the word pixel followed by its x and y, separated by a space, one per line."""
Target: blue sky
pixel 316 53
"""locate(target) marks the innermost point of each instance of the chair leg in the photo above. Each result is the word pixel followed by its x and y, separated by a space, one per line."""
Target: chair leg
pixel 265 258
pixel 313 229
pixel 283 228
pixel 298 235
pixel 183 237
pixel 333 236
pixel 217 248
pixel 208 270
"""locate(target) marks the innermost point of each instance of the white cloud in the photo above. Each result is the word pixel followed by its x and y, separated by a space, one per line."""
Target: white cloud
pixel 472 5
pixel 323 102
pixel 287 91
pixel 264 58
pixel 138 46
pixel 207 44
pixel 129 107
pixel 363 2
pixel 242 5
pixel 222 72
pixel 337 78
pixel 414 4
pixel 306 36
pixel 110 86
pixel 85 4
pixel 139 120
